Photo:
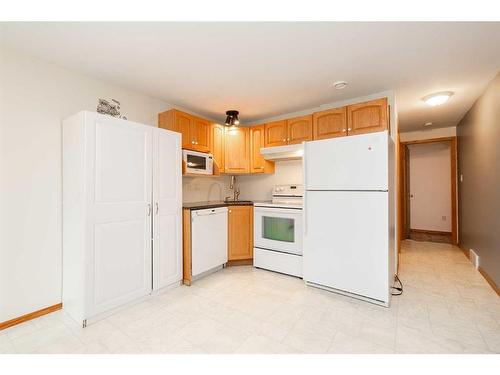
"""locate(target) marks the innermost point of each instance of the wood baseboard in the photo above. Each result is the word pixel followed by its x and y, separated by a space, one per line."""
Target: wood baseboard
pixel 240 262
pixel 466 252
pixel 33 315
pixel 430 232
pixel 489 280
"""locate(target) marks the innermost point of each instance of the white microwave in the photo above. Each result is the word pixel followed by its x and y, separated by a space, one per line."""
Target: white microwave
pixel 198 162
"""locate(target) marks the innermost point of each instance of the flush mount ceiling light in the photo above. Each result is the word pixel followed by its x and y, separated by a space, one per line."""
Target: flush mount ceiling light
pixel 428 124
pixel 232 118
pixel 438 98
pixel 339 85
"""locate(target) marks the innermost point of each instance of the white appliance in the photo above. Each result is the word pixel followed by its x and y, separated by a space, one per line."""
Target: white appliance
pixel 208 239
pixel 122 204
pixel 348 218
pixel 288 152
pixel 278 231
pixel 198 162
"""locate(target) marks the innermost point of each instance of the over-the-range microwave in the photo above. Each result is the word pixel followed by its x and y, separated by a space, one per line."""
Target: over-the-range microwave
pixel 198 162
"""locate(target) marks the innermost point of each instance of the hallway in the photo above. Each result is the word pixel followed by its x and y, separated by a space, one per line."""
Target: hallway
pixel 447 304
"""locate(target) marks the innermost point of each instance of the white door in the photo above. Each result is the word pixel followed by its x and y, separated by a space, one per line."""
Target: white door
pixel 358 162
pixel 346 242
pixel 167 199
pixel 208 239
pixel 119 208
pixel 278 229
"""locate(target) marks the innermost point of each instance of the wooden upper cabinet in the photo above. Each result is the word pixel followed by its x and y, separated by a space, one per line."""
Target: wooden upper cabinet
pixel 240 232
pixel 217 145
pixel 257 163
pixel 237 150
pixel 184 123
pixel 367 117
pixel 195 131
pixel 200 134
pixel 300 129
pixel 330 124
pixel 276 133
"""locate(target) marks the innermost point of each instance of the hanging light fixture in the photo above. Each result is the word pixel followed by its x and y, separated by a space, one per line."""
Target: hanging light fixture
pixel 232 118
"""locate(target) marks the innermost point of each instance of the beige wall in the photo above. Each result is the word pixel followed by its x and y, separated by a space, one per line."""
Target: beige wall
pixel 428 134
pixel 34 97
pixel 430 186
pixel 479 191
pixel 200 189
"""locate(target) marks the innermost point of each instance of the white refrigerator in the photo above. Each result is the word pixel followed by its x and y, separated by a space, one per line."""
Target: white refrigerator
pixel 347 216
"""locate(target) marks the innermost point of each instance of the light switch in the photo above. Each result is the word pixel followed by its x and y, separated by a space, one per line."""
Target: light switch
pixel 461 177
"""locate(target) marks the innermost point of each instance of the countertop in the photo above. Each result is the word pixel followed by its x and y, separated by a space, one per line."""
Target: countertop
pixel 213 204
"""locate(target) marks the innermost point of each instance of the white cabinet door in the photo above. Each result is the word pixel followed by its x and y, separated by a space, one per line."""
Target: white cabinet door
pixel 119 177
pixel 167 198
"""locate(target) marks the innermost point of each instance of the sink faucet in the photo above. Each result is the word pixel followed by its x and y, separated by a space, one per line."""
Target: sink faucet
pixel 236 190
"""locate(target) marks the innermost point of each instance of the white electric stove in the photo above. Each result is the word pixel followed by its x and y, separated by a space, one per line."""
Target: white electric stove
pixel 278 231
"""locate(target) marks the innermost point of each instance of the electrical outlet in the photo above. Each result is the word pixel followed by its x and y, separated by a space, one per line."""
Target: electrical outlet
pixel 461 177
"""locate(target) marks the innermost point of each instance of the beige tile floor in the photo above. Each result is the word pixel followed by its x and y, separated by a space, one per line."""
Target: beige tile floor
pixel 447 307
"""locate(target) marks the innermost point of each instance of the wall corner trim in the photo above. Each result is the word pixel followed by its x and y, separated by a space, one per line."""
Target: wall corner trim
pixel 489 280
pixel 30 316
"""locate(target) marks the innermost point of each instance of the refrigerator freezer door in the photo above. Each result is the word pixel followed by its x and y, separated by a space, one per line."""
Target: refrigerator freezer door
pixel 346 242
pixel 357 162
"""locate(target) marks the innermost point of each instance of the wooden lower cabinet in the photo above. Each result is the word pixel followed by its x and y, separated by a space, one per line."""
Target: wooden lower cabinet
pixel 240 233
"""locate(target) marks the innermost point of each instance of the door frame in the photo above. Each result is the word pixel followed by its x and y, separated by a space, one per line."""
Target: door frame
pixel 403 181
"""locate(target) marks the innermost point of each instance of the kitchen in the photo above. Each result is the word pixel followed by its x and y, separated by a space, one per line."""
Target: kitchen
pixel 264 225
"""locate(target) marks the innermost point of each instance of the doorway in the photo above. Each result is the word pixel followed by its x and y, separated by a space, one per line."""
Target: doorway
pixel 428 194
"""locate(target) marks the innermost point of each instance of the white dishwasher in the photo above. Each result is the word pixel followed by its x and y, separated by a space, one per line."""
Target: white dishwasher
pixel 208 239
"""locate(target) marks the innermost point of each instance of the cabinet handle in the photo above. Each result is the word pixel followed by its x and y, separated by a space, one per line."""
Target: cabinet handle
pixel 343 130
pixel 157 208
pixel 192 142
pixel 288 139
pixel 230 211
pixel 284 139
pixel 348 129
pixel 149 209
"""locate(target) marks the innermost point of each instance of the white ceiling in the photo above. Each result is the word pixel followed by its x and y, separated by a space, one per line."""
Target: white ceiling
pixel 270 69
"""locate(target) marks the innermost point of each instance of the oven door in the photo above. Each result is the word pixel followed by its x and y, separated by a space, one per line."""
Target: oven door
pixel 278 229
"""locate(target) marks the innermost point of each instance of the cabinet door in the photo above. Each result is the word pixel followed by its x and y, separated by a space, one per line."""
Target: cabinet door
pixel 167 207
pixel 237 150
pixel 240 232
pixel 201 134
pixel 217 145
pixel 367 117
pixel 299 129
pixel 257 163
pixel 276 133
pixel 330 124
pixel 118 224
pixel 184 122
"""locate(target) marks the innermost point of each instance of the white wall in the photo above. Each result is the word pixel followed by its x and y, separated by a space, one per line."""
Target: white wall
pixel 259 187
pixel 430 185
pixel 34 97
pixel 431 133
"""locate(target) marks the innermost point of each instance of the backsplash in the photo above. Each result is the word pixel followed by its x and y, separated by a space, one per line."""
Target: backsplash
pixel 198 189
pixel 252 187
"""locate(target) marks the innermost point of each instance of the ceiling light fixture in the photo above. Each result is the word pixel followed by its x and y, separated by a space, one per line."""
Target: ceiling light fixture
pixel 438 98
pixel 428 124
pixel 232 118
pixel 339 85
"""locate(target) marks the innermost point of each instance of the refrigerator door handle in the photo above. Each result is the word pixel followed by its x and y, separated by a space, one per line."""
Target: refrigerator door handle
pixel 304 214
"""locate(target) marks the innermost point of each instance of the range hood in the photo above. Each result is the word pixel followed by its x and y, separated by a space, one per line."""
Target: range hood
pixel 289 152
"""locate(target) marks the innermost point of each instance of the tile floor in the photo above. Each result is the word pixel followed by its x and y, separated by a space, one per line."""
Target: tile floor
pixel 447 307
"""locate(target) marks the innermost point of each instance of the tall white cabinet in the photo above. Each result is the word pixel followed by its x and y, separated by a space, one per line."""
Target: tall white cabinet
pixel 122 203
